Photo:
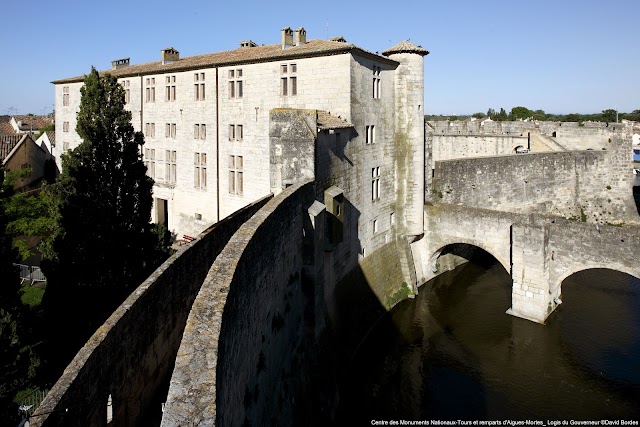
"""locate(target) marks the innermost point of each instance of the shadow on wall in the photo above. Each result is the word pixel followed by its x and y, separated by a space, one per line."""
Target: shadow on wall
pixel 268 347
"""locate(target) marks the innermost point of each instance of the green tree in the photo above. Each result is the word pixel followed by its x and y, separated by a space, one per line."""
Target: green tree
pixel 12 372
pixel 478 115
pixel 520 113
pixel 103 246
pixel 539 115
pixel 609 115
pixel 491 113
pixel 29 216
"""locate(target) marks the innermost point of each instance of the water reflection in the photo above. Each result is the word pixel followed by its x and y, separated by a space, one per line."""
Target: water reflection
pixel 453 353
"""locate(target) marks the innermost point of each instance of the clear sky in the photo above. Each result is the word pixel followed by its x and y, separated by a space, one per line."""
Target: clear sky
pixel 561 56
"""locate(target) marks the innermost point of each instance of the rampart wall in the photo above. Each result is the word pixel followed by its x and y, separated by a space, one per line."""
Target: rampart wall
pixel 132 355
pixel 447 147
pixel 247 327
pixel 594 186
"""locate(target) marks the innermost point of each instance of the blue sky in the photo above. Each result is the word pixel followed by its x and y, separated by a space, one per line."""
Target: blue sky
pixel 562 56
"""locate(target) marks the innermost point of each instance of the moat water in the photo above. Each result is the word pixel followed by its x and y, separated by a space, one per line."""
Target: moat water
pixel 453 354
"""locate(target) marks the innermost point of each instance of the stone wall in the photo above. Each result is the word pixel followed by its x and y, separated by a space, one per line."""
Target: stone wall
pixel 132 355
pixel 242 358
pixel 292 136
pixel 589 185
pixel 447 147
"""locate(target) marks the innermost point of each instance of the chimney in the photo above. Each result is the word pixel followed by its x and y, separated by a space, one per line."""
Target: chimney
pixel 248 43
pixel 169 55
pixel 287 38
pixel 119 63
pixel 301 36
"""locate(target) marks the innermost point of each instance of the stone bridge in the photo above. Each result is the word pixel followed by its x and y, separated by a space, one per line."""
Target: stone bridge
pixel 538 251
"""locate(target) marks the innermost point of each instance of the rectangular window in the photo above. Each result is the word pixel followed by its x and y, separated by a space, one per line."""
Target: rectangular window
pixel 235 84
pixel 370 134
pixel 375 225
pixel 170 88
pixel 127 92
pixel 236 183
pixel 150 161
pixel 170 130
pixel 376 81
pixel 288 81
pixel 65 127
pixel 150 90
pixel 235 132
pixel 200 171
pixel 294 85
pixel 199 131
pixel 198 88
pixel 65 96
pixel 375 183
pixel 170 167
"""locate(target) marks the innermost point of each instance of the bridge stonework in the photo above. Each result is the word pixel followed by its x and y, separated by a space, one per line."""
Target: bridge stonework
pixel 538 251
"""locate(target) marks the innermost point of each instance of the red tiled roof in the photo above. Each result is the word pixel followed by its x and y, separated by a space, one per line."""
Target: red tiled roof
pixel 32 122
pixel 240 56
pixel 6 128
pixel 328 121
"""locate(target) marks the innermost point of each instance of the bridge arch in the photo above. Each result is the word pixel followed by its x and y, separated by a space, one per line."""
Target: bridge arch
pixel 470 242
pixel 591 266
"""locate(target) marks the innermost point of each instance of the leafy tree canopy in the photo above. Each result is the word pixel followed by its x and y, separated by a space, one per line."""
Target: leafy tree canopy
pixel 103 246
pixel 520 113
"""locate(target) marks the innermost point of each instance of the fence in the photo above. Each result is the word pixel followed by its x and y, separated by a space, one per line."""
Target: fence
pixel 30 403
pixel 30 273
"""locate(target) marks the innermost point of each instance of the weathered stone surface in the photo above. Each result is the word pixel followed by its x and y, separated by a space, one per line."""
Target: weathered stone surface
pixel 242 355
pixel 539 251
pixel 132 354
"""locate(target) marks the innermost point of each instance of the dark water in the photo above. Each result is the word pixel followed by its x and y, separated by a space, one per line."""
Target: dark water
pixel 453 353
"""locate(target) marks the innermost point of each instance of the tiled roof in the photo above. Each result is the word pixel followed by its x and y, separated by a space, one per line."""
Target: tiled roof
pixel 240 56
pixel 32 122
pixel 328 121
pixel 406 47
pixel 6 128
pixel 52 136
pixel 7 143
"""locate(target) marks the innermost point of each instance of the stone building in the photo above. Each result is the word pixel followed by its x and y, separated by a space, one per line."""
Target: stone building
pixel 227 128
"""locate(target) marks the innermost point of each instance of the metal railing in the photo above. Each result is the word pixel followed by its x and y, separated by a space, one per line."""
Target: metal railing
pixel 30 273
pixel 29 404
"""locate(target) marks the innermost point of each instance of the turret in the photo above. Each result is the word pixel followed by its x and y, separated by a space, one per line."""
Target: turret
pixel 409 133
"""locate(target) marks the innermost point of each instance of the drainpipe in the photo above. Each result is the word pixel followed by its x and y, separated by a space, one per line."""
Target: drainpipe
pixel 141 105
pixel 217 150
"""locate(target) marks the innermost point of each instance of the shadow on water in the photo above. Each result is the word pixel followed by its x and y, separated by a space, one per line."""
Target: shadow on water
pixel 453 353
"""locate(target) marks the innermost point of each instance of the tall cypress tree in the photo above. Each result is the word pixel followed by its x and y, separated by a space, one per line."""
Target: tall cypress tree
pixel 104 245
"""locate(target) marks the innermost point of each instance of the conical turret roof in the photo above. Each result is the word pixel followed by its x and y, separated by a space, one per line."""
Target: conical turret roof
pixel 406 47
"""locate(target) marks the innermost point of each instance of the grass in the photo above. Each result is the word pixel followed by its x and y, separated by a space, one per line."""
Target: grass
pixel 32 296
